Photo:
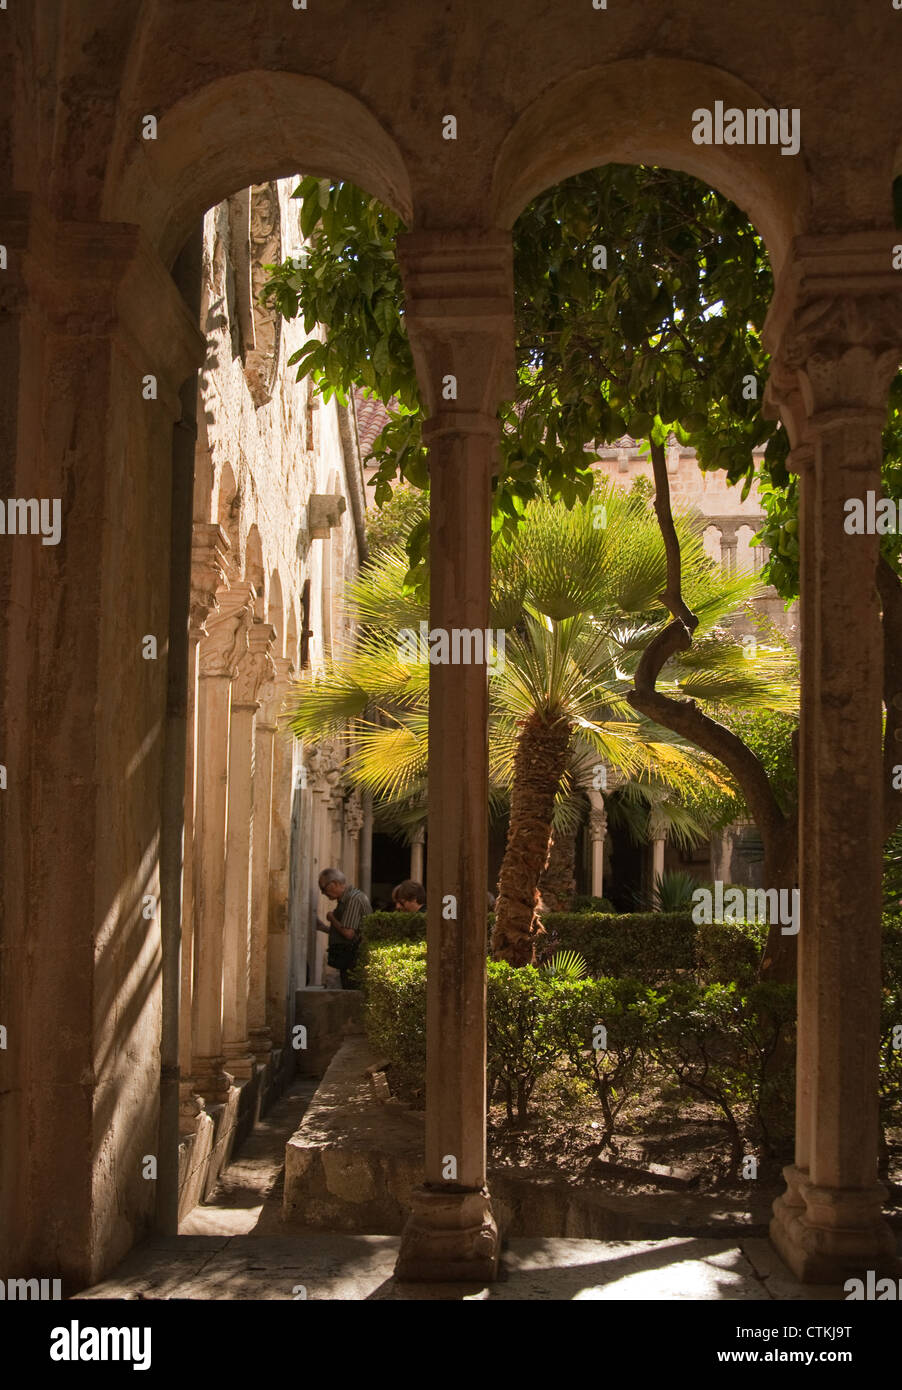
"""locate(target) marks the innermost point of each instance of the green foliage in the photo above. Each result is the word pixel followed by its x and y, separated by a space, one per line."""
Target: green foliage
pixel 892 872
pixel 388 526
pixel 613 1062
pixel 565 965
pixel 519 1032
pixel 666 336
pixel 673 891
pixel 584 902
pixel 394 926
pixel 648 946
pixel 718 1043
pixel 394 978
pixel 729 951
pixel 727 1041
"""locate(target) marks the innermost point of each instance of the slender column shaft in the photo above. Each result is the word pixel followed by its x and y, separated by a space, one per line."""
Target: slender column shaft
pixel 236 956
pixel 258 1030
pixel 459 288
pixel 219 656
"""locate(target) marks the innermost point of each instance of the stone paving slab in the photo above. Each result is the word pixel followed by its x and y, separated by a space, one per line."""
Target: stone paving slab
pixel 357 1267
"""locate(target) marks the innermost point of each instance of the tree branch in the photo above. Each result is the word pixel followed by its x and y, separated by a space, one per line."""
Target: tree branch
pixel 684 716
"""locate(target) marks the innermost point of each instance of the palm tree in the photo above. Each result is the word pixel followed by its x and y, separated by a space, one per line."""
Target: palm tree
pixel 577 593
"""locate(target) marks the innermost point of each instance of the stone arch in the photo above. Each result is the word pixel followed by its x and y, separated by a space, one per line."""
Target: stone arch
pixel 228 511
pixel 275 611
pixel 254 572
pixel 253 126
pixel 748 557
pixel 291 636
pixel 711 542
pixel 639 111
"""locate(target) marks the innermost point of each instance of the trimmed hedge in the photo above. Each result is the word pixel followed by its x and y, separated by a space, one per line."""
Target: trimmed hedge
pixel 584 902
pixel 650 946
pixel 395 1012
pixel 394 926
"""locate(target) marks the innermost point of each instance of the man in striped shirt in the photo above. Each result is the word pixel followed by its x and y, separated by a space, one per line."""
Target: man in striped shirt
pixel 351 906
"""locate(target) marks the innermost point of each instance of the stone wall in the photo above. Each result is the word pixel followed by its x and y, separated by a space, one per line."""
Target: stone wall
pixel 277 504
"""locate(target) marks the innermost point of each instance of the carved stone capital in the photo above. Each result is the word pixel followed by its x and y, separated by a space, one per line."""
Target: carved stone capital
pixel 598 824
pixel 255 681
pixel 460 320
pixel 323 763
pixel 227 632
pixel 353 815
pixel 209 573
pixel 834 331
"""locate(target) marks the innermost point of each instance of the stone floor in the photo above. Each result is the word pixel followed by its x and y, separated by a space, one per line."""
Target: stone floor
pixel 234 1247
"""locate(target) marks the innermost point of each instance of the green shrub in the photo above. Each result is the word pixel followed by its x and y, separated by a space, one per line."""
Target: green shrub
pixel 394 978
pixel 721 1045
pixel 726 951
pixel 584 902
pixel 648 946
pixel 394 926
pixel 520 1036
pixel 673 891
pixel 602 1028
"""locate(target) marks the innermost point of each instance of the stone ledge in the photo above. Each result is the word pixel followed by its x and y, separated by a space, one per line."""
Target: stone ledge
pixel 355 1161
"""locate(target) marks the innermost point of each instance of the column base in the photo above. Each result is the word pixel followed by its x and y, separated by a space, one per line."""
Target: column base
pixel 191 1107
pixel 240 1060
pixel 825 1235
pixel 211 1080
pixel 261 1044
pixel 449 1236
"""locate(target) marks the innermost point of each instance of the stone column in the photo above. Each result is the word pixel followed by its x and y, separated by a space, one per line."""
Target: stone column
pixel 209 568
pixel 220 653
pixel 459 294
pixel 417 854
pixel 657 857
pixel 835 356
pixel 278 942
pixel 90 311
pixel 598 830
pixel 266 728
pixel 255 672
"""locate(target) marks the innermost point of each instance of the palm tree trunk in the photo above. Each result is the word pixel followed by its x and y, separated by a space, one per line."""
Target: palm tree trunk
pixel 557 883
pixel 539 764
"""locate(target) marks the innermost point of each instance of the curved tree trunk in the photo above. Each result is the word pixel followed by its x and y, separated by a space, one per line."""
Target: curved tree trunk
pixel 779 831
pixel 781 870
pixel 539 764
pixel 557 883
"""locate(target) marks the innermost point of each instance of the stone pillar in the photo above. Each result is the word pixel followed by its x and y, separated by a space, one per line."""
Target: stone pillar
pixel 657 857
pixel 278 943
pixel 259 1031
pixel 598 830
pixel 459 295
pixel 834 357
pixel 728 545
pixel 417 854
pixel 220 653
pixel 89 312
pixel 209 568
pixel 255 673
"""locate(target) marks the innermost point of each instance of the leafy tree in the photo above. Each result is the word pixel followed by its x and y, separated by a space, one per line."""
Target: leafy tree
pixel 577 602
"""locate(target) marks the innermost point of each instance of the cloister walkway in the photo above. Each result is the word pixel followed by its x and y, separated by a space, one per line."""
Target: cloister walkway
pixel 236 1247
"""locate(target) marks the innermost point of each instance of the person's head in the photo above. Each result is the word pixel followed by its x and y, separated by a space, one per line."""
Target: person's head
pixel 332 883
pixel 409 896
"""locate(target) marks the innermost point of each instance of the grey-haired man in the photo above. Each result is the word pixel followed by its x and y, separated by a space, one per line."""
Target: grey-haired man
pixel 351 906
